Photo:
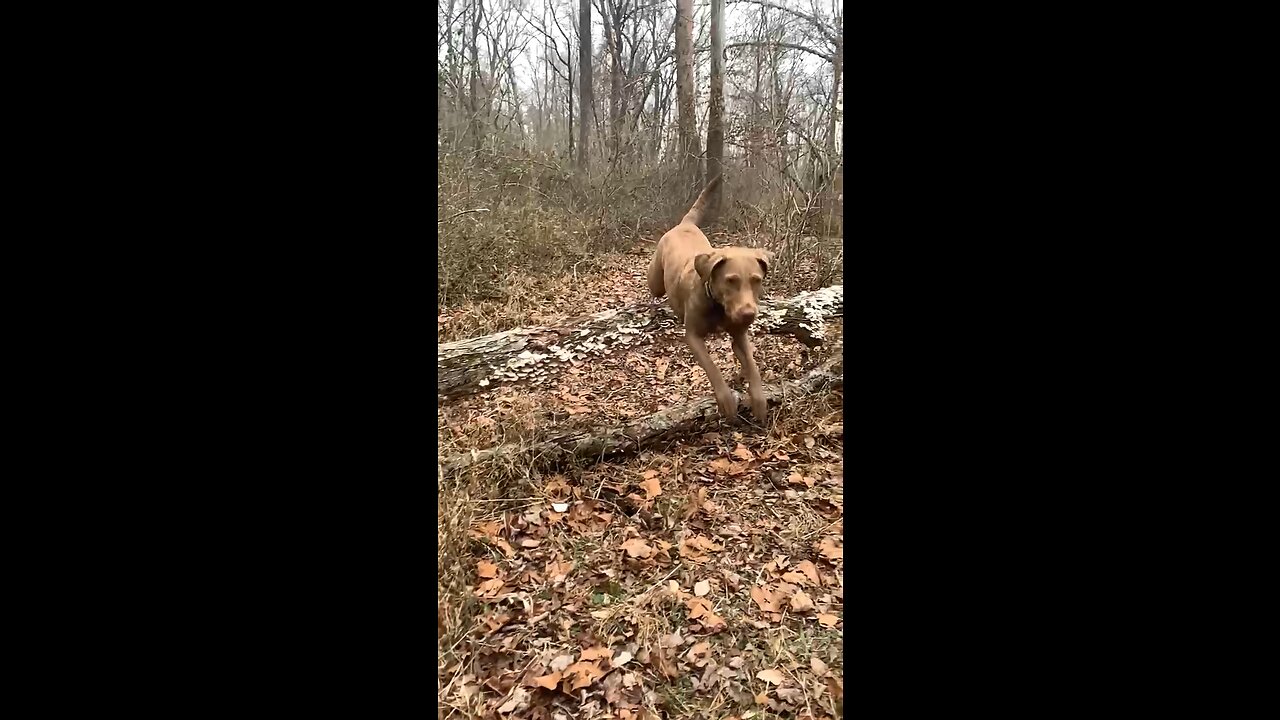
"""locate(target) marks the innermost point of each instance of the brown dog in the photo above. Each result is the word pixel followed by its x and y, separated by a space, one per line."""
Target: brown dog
pixel 712 290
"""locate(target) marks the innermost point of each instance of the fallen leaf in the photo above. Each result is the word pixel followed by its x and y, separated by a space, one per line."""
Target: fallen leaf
pixel 649 474
pixel 560 507
pixel 828 620
pixel 489 588
pixel 771 676
pixel 652 488
pixel 548 681
pixel 744 453
pixel 562 662
pixel 720 465
pixel 506 547
pixel 623 658
pixel 763 698
pixel 795 576
pixel 764 599
pixel 637 548
pixel 819 667
pixel 596 653
pixel 519 697
pixel 808 441
pixel 486 569
pixel 831 551
pixel 792 695
pixel 808 569
pixel 800 602
pixel 585 673
pixel 702 587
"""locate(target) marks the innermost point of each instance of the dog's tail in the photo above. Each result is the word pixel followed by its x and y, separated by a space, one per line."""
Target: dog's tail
pixel 694 216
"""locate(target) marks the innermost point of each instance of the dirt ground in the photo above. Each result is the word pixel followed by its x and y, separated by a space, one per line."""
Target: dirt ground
pixel 699 578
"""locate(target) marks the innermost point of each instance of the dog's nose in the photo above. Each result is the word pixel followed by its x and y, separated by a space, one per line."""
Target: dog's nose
pixel 747 315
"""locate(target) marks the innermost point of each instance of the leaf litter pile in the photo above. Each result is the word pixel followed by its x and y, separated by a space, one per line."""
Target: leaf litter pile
pixel 699 578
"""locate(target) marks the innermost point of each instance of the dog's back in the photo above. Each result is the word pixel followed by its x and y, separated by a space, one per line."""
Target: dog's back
pixel 677 249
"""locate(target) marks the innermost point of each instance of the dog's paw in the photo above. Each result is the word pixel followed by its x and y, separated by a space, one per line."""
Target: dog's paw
pixel 759 408
pixel 728 403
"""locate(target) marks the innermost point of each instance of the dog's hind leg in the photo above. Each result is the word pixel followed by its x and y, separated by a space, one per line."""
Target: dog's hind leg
pixel 657 285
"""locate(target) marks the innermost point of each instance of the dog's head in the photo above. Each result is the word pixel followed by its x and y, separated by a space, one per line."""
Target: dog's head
pixel 735 277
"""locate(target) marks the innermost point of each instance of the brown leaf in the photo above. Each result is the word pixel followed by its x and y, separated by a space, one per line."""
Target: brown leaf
pixel 652 488
pixel 562 662
pixel 744 453
pixel 795 576
pixel 702 587
pixel 764 599
pixel 700 608
pixel 584 673
pixel 548 681
pixel 828 620
pixel 637 548
pixel 792 695
pixel 506 547
pixel 808 569
pixel 720 465
pixel 831 551
pixel 596 653
pixel 763 698
pixel 773 676
pixel 819 667
pixel 801 602
pixel 519 698
pixel 486 569
pixel 489 588
pixel 649 474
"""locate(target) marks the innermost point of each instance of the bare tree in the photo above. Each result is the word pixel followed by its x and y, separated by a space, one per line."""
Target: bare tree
pixel 688 142
pixel 586 97
pixel 715 114
pixel 474 108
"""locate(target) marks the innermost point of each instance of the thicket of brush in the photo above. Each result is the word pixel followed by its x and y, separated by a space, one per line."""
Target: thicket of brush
pixel 506 212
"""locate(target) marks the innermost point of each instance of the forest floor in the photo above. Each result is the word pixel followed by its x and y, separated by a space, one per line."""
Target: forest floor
pixel 699 578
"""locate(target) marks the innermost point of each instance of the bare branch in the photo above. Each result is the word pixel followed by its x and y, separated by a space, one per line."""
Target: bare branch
pixel 771 43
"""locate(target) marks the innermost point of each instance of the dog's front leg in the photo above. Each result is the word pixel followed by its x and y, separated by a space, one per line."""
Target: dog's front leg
pixel 725 398
pixel 746 357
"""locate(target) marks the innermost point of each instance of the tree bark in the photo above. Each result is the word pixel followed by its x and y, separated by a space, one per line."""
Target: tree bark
pixel 535 354
pixel 715 113
pixel 585 93
pixel 688 137
pixel 475 75
pixel 680 420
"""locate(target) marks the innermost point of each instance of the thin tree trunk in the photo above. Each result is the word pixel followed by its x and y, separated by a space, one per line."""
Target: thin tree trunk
pixel 688 139
pixel 715 113
pixel 585 95
pixel 475 75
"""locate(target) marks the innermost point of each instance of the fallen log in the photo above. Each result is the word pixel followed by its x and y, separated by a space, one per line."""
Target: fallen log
pixel 534 354
pixel 603 442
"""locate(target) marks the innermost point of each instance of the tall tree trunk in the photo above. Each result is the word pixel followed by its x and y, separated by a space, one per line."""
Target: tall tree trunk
pixel 585 94
pixel 475 75
pixel 715 113
pixel 688 138
pixel 614 53
pixel 837 67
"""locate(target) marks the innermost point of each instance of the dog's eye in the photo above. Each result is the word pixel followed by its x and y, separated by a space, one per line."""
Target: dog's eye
pixel 755 279
pixel 733 279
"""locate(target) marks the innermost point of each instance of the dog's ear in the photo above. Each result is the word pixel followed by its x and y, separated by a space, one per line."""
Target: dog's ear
pixel 706 263
pixel 765 258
